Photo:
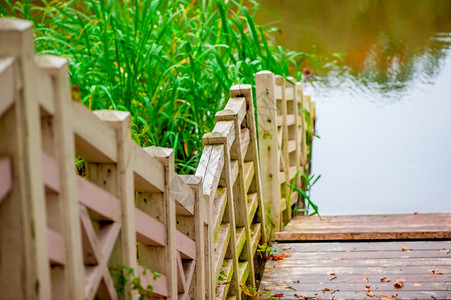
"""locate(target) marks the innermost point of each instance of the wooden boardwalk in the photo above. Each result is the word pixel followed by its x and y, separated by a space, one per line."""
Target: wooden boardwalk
pixel 335 259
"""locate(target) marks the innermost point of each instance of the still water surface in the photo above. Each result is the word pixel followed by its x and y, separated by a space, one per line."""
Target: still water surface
pixel 383 100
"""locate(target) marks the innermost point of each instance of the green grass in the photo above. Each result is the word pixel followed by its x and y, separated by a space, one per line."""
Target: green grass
pixel 169 63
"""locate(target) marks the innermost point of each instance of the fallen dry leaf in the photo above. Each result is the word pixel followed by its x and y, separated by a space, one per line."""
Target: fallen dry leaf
pixel 296 281
pixel 332 274
pixel 287 287
pixel 333 278
pixel 392 297
pixel 398 284
pixel 365 279
pixel 406 249
pixel 279 295
pixel 304 296
pixel 385 279
pixel 369 293
pixel 436 272
pixel 415 213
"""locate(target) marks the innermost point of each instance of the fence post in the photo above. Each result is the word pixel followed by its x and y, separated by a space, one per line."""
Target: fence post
pixel 224 136
pixel 235 110
pixel 252 153
pixel 117 178
pixel 194 225
pixel 164 211
pixel 24 263
pixel 268 150
pixel 58 142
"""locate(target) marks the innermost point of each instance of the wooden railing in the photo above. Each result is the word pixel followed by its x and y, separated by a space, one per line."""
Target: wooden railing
pixel 63 235
pixel 286 121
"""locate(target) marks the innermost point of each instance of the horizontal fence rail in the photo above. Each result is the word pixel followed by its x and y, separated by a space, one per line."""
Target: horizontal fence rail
pixel 129 218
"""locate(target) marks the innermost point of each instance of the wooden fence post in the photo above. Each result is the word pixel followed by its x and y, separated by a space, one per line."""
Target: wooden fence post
pixel 63 211
pixel 195 224
pixel 163 209
pixel 252 155
pixel 224 135
pixel 268 150
pixel 117 178
pixel 24 264
pixel 210 167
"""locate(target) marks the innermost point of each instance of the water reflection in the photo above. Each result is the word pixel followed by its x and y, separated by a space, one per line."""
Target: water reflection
pixel 386 44
pixel 384 107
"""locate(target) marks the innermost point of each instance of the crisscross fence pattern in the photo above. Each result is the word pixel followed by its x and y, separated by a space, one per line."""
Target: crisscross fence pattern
pixel 130 220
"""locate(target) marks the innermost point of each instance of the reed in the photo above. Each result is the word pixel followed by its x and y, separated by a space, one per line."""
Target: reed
pixel 169 63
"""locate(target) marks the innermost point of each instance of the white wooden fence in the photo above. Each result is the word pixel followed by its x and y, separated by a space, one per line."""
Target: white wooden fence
pixel 62 235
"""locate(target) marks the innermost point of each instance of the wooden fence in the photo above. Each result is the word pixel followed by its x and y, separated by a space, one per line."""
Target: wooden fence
pixel 63 236
pixel 286 122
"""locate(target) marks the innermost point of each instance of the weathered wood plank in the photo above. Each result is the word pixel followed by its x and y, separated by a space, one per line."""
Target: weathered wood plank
pixel 91 145
pixel 218 208
pixel 148 171
pixel 235 108
pixel 105 205
pixel 327 270
pixel 55 247
pixel 248 175
pixel 389 235
pixel 240 241
pixel 243 268
pixel 6 83
pixel 186 246
pixel 368 227
pixel 223 133
pixel 5 177
pixel 159 284
pixel 220 248
pixel 51 174
pixel 362 246
pixel 252 204
pixel 223 285
pixel 245 140
pixel 148 230
pixel 268 148
pixel 291 146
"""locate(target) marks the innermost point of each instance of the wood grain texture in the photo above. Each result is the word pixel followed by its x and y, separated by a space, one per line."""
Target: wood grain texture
pixel 5 177
pixel 346 270
pixel 368 227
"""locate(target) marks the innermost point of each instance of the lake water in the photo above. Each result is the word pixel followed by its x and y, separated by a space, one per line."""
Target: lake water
pixel 383 100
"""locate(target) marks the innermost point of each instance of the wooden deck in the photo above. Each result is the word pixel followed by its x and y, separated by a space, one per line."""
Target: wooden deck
pixel 368 227
pixel 335 259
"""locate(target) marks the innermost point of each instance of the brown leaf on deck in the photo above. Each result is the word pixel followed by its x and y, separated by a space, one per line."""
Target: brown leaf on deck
pixel 398 284
pixel 369 293
pixel 385 279
pixel 437 272
pixel 365 279
pixel 406 249
pixel 279 295
pixel 392 297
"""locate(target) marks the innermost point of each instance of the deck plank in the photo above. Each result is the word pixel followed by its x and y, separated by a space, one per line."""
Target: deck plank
pixel 368 227
pixel 333 270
